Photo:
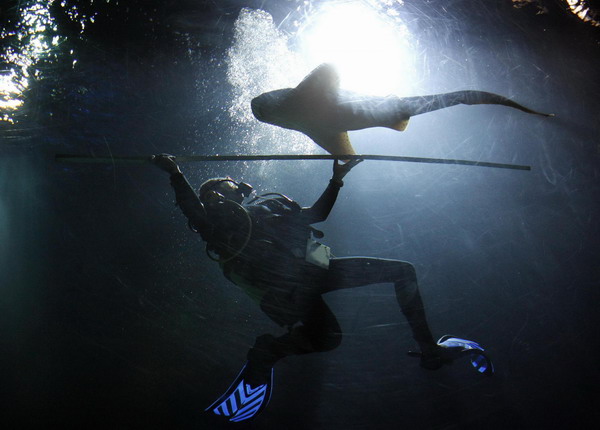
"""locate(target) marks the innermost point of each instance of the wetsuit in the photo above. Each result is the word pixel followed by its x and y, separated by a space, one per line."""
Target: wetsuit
pixel 262 250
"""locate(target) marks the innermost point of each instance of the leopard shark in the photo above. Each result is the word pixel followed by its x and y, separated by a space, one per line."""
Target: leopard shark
pixel 318 108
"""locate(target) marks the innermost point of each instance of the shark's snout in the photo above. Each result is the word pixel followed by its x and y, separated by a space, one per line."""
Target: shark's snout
pixel 256 105
pixel 269 107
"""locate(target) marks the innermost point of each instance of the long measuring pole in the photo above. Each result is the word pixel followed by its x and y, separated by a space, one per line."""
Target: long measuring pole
pixel 71 158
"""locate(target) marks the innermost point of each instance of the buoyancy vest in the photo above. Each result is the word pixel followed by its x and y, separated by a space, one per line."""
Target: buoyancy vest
pixel 277 248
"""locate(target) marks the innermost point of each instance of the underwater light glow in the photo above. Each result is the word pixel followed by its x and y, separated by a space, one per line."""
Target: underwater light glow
pixel 583 11
pixel 9 92
pixel 36 38
pixel 370 50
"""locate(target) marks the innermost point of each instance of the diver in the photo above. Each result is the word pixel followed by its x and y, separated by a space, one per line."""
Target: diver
pixel 266 246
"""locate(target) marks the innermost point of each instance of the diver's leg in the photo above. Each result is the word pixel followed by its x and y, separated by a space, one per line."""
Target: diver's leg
pixel 360 271
pixel 319 332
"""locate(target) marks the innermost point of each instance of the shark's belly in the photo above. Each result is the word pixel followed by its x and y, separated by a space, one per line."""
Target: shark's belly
pixel 355 112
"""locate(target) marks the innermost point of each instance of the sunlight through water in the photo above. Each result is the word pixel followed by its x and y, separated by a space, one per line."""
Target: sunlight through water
pixel 367 43
pixel 35 38
pixel 583 12
pixel 370 49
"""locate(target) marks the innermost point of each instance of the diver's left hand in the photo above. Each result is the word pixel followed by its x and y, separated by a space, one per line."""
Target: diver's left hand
pixel 166 162
pixel 341 169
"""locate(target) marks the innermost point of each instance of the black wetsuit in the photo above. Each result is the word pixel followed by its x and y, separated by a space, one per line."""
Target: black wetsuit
pixel 267 260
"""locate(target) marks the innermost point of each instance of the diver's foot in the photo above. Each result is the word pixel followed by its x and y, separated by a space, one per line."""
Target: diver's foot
pixel 258 374
pixel 435 356
pixel 448 349
pixel 261 360
pixel 431 362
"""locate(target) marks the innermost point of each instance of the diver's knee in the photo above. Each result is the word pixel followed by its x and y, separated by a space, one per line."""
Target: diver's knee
pixel 406 285
pixel 404 273
pixel 409 272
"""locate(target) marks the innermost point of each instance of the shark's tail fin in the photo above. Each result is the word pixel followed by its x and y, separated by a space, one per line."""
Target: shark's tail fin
pixel 423 104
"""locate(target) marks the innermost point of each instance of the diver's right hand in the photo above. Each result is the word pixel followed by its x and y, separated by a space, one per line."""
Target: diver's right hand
pixel 166 162
pixel 341 169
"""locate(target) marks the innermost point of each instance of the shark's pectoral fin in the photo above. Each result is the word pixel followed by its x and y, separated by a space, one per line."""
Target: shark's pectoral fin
pixel 400 125
pixel 334 143
pixel 341 144
pixel 321 80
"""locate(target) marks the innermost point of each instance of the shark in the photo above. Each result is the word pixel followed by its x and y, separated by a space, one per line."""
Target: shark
pixel 325 113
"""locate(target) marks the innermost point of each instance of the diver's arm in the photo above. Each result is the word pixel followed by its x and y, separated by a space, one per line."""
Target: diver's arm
pixel 185 196
pixel 189 202
pixel 322 207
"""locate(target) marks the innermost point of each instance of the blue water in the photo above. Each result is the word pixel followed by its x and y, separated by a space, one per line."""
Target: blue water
pixel 112 315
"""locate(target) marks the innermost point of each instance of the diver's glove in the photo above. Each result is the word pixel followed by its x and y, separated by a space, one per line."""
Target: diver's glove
pixel 341 169
pixel 450 348
pixel 166 162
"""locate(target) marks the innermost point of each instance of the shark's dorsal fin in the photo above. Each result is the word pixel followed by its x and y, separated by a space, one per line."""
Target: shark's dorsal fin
pixel 323 78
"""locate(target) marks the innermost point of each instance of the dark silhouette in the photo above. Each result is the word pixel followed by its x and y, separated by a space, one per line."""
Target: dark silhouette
pixel 266 247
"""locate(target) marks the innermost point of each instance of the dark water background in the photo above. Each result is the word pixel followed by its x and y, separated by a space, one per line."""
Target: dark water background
pixel 112 316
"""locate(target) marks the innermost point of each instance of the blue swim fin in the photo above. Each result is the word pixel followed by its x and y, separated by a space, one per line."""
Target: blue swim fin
pixel 463 347
pixel 242 401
